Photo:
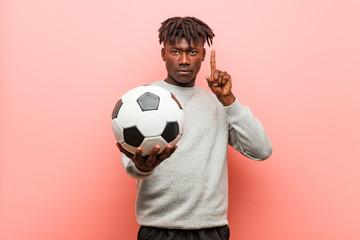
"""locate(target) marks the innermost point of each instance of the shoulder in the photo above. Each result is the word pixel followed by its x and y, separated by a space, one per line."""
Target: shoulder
pixel 157 83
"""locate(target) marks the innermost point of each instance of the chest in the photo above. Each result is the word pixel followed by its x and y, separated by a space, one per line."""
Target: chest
pixel 204 117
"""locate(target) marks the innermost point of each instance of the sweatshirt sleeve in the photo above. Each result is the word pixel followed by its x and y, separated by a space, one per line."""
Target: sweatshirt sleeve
pixel 132 170
pixel 246 133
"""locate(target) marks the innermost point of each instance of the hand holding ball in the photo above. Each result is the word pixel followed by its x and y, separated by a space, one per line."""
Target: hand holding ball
pixel 147 116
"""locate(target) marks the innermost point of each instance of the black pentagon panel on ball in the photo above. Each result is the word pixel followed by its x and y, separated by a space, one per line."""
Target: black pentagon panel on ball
pixel 170 132
pixel 116 109
pixel 178 103
pixel 133 136
pixel 148 101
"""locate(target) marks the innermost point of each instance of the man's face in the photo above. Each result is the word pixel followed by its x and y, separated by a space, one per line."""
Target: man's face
pixel 183 61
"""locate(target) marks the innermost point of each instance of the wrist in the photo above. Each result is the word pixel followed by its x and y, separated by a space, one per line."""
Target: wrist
pixel 144 170
pixel 226 100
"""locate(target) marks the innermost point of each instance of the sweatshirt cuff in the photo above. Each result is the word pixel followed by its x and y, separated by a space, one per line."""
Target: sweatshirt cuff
pixel 236 110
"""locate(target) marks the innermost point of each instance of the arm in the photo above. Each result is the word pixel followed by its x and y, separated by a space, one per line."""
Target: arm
pixel 246 133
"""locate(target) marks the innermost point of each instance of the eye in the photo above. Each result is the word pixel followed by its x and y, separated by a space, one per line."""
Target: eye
pixel 192 53
pixel 175 52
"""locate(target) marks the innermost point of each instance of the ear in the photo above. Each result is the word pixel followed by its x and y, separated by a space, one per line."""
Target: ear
pixel 204 54
pixel 163 54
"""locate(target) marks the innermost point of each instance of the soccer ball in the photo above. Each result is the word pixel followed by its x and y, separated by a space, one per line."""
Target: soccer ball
pixel 147 116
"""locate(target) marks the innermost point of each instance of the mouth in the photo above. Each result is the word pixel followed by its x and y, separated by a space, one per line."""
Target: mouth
pixel 184 71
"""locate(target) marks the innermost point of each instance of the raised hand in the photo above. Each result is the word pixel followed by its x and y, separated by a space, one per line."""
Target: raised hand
pixel 149 163
pixel 220 82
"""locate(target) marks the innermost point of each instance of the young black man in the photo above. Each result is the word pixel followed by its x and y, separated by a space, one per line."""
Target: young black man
pixel 183 191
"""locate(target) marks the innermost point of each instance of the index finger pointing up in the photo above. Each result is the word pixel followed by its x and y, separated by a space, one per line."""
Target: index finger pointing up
pixel 212 61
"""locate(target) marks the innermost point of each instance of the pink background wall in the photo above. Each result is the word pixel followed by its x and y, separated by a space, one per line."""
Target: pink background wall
pixel 64 64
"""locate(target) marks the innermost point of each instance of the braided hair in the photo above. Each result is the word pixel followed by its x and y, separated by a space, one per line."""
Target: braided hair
pixel 188 27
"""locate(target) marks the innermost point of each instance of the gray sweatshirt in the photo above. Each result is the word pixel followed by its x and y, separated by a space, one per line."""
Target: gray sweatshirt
pixel 189 190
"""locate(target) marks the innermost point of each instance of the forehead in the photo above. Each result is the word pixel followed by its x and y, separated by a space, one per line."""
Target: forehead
pixel 182 43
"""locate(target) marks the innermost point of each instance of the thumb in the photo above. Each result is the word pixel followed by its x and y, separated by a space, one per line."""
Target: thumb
pixel 208 78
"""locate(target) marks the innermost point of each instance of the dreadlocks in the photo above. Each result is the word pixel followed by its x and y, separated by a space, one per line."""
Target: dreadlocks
pixel 188 27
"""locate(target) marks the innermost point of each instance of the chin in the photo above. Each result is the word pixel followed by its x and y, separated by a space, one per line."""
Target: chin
pixel 181 80
pixel 185 81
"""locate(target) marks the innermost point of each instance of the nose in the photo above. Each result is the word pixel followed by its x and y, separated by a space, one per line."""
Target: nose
pixel 184 59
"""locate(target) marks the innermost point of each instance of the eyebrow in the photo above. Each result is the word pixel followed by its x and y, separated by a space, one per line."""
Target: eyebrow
pixel 187 49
